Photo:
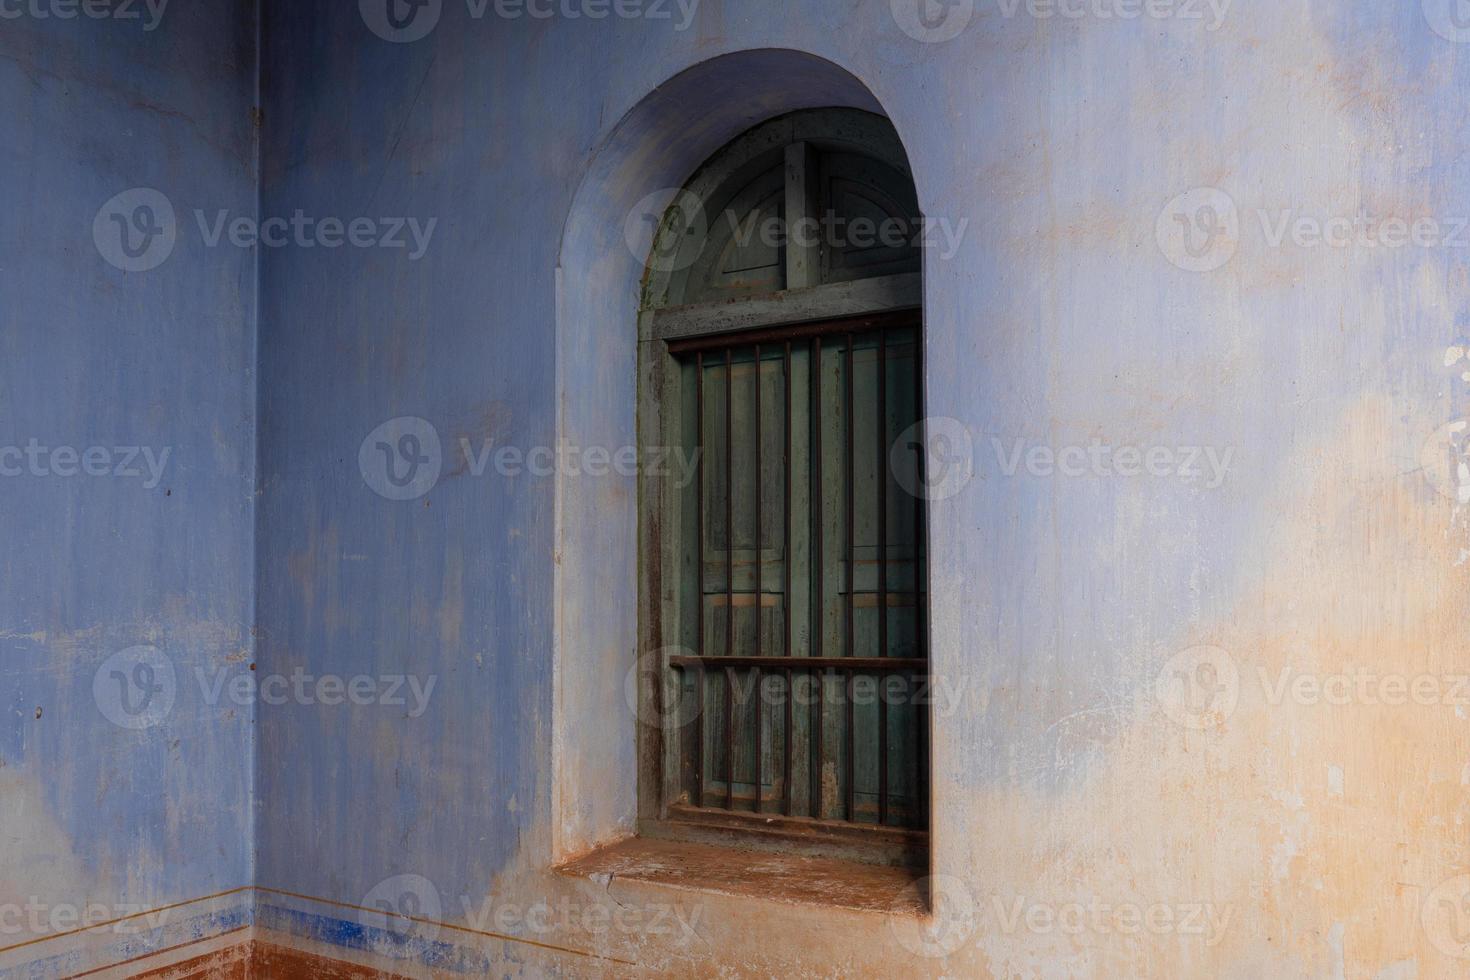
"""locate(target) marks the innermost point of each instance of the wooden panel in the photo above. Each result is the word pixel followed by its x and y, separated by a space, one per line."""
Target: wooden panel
pixel 860 604
pixel 871 211
pixel 864 297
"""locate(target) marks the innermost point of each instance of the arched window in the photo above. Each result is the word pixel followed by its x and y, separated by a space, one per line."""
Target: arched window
pixel 784 564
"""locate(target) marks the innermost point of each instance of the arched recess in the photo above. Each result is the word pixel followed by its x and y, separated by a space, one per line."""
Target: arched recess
pixel 601 276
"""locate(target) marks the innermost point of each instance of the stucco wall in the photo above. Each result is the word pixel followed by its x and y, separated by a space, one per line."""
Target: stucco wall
pixel 1207 723
pixel 1315 374
pixel 127 385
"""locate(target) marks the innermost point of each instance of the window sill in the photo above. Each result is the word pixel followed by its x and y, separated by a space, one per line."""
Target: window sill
pixel 792 879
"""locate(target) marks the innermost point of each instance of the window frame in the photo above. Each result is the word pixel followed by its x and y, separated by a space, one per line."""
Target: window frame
pixel 804 301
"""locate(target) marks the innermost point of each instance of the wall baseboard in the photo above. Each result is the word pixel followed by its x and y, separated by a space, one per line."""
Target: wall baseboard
pixel 258 960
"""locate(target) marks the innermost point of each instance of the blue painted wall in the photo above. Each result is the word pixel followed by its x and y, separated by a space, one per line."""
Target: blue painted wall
pixel 1067 609
pixel 132 797
pixel 1066 315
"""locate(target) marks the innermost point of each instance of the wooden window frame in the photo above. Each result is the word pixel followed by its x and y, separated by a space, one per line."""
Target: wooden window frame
pixel 863 304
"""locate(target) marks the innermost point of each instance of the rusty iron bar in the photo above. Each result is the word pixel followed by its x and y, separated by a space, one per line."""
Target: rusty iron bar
pixel 729 576
pixel 819 603
pixel 699 573
pixel 850 665
pixel 921 550
pixel 787 558
pixel 759 557
pixel 882 481
pixel 850 420
pixel 799 331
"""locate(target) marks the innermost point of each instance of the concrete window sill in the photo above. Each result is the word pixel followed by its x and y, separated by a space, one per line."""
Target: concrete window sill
pixel 789 878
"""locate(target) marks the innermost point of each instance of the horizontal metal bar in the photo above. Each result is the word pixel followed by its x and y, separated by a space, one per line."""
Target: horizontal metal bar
pixel 858 665
pixel 900 319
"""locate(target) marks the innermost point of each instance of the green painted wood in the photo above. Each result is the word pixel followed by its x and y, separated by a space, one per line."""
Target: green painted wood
pixel 756 452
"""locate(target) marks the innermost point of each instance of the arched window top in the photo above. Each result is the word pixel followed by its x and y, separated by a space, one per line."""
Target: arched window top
pixel 807 199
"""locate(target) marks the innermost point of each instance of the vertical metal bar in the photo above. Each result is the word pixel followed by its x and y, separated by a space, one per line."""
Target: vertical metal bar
pixel 920 640
pixel 729 577
pixel 759 558
pixel 921 548
pixel 851 420
pixel 882 478
pixel 699 574
pixel 786 562
pixel 818 604
pixel 730 738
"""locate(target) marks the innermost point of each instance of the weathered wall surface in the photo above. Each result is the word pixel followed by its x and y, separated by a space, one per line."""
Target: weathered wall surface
pixel 127 380
pixel 1211 722
pixel 1270 832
